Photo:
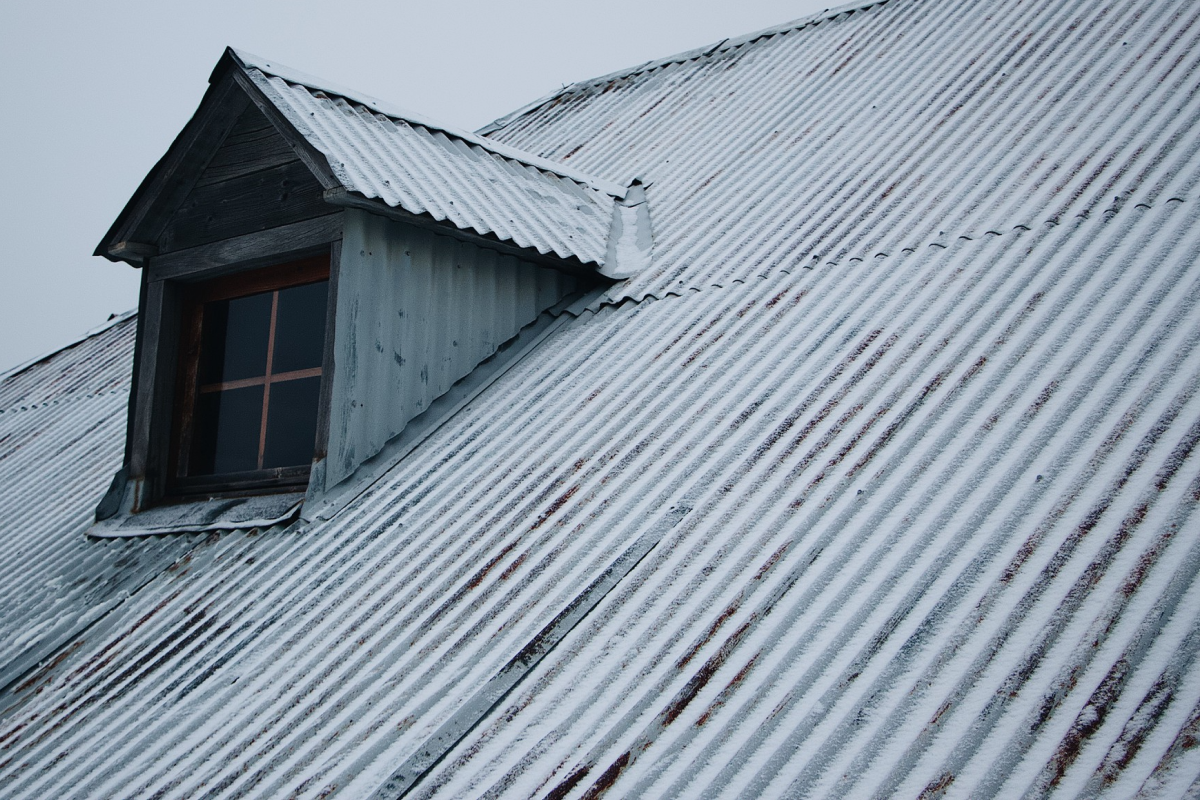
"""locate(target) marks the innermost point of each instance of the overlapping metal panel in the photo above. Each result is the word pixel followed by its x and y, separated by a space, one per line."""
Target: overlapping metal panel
pixel 888 128
pixel 933 506
pixel 459 179
pixel 62 436
pixel 941 533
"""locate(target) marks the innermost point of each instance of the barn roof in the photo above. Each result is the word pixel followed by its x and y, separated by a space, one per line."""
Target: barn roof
pixel 881 479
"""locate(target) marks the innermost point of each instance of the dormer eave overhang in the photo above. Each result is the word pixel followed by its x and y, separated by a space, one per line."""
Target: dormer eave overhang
pixel 367 155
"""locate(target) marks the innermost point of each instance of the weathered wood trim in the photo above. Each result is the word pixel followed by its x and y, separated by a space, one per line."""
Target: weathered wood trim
pixel 313 158
pixel 245 204
pixel 134 253
pixel 346 199
pixel 155 389
pixel 139 339
pixel 144 378
pixel 328 361
pixel 487 697
pixel 248 250
pixel 176 173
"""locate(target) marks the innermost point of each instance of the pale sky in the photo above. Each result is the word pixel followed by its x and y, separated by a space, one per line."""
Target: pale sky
pixel 93 93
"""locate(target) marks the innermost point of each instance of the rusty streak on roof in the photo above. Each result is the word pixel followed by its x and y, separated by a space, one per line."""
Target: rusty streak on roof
pixel 918 348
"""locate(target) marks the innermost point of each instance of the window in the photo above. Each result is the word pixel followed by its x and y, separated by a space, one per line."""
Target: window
pixel 251 353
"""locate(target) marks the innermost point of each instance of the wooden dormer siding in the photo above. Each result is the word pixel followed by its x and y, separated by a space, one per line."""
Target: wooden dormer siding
pixel 253 182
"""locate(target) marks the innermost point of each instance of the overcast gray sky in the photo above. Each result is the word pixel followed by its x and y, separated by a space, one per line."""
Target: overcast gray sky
pixel 93 93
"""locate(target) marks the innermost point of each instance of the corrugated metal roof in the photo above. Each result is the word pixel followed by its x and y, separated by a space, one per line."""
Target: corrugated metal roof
pixel 931 508
pixel 449 175
pixel 62 435
pixel 888 128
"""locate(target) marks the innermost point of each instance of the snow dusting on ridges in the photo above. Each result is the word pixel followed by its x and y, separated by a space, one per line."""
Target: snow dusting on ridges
pixel 62 426
pixel 851 136
pixel 964 571
pixel 426 171
pixel 869 541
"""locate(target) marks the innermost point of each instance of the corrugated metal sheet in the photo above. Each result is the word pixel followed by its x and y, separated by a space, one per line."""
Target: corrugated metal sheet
pixel 426 310
pixel 62 432
pixel 934 528
pixel 451 177
pixel 888 128
pixel 940 527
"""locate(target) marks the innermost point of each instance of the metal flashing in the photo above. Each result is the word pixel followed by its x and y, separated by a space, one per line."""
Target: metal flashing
pixel 500 685
pixel 199 516
pixel 327 504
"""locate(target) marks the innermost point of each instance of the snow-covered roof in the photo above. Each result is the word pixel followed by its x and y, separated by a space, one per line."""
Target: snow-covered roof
pixel 880 480
pixel 375 156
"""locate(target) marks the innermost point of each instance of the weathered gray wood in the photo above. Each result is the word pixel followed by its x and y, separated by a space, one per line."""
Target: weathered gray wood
pixel 329 360
pixel 309 155
pixel 155 386
pixel 145 374
pixel 133 252
pixel 255 202
pixel 345 199
pixel 248 250
pixel 252 145
pixel 176 173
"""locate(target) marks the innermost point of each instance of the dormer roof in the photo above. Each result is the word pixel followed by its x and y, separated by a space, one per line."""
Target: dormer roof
pixel 367 154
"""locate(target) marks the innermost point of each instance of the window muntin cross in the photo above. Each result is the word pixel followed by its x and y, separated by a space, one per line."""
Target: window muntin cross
pixel 252 369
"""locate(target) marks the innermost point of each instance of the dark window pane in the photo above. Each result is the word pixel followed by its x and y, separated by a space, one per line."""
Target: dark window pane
pixel 292 423
pixel 300 327
pixel 233 343
pixel 226 430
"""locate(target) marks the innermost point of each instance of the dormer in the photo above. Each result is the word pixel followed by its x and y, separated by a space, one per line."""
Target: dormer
pixel 325 279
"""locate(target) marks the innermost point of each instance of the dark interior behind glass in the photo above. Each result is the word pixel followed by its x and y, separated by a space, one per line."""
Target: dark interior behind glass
pixel 254 396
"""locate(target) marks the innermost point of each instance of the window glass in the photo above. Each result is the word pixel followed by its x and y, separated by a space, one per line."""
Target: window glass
pixel 257 380
pixel 292 423
pixel 226 431
pixel 234 342
pixel 300 327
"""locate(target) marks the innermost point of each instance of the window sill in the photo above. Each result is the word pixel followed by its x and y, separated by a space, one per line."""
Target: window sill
pixel 210 514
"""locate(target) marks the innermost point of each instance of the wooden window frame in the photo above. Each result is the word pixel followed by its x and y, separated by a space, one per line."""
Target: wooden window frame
pixel 274 278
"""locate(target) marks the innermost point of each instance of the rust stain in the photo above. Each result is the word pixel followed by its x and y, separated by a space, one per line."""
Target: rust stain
pixel 771 303
pixel 937 715
pixel 569 783
pixel 770 563
pixel 938 787
pixel 488 567
pixel 1042 398
pixel 717 624
pixel 513 567
pixel 723 697
pixel 703 676
pixel 555 506
pixel 608 778
pixel 43 672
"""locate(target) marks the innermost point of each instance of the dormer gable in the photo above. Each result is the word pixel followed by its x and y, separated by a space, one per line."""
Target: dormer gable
pixel 407 261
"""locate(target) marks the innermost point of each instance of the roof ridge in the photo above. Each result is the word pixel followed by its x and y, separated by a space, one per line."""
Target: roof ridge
pixel 112 321
pixel 679 58
pixel 250 61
